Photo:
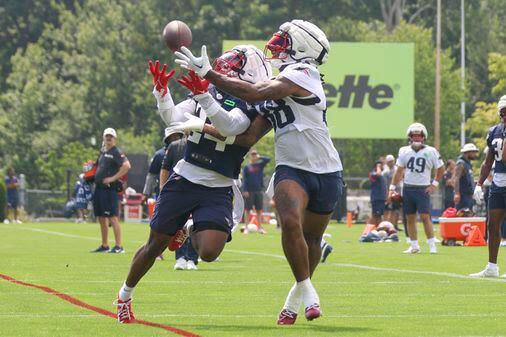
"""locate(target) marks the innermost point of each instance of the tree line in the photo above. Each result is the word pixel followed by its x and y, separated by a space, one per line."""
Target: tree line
pixel 70 68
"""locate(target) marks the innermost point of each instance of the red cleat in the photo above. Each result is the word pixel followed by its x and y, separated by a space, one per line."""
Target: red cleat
pixel 125 313
pixel 178 239
pixel 286 317
pixel 313 312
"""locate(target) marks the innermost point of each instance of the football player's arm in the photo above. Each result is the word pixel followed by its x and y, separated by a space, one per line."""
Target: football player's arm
pixel 486 167
pixel 168 111
pixel 458 173
pixel 261 91
pixel 228 123
pixel 259 127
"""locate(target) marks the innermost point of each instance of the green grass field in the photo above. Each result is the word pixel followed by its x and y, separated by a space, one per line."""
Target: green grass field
pixel 367 289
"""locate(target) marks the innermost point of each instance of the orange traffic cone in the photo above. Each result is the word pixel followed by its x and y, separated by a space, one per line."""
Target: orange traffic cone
pixel 253 220
pixel 368 228
pixel 475 238
pixel 349 219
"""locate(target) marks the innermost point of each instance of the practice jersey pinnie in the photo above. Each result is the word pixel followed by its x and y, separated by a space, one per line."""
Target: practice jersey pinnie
pixel 302 137
pixel 209 153
pixel 495 142
pixel 418 165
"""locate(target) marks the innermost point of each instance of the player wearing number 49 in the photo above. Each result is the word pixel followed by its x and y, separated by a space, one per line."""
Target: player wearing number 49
pixel 308 178
pixel 497 195
pixel 416 162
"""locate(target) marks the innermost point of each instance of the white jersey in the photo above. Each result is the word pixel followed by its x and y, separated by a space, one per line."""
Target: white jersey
pixel 302 139
pixel 418 165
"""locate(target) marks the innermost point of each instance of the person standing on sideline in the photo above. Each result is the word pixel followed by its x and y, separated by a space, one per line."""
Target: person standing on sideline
pixel 308 179
pixel 448 184
pixel 82 197
pixel 378 192
pixel 253 184
pixel 416 161
pixel 497 191
pixel 392 208
pixel 112 165
pixel 12 183
pixel 463 179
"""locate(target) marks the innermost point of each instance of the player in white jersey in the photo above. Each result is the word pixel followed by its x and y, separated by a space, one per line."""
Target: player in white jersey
pixel 416 163
pixel 308 178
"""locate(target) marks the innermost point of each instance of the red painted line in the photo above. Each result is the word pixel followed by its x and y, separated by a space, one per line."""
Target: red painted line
pixel 101 311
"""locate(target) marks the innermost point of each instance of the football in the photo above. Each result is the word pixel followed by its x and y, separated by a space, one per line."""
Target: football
pixel 177 34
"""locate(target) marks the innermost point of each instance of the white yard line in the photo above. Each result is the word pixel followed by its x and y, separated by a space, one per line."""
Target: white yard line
pixel 277 256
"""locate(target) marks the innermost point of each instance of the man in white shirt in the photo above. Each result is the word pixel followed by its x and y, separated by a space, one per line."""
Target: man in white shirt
pixel 416 162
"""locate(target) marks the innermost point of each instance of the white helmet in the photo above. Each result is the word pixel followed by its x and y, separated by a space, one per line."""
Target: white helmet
pixel 501 105
pixel 417 128
pixel 246 62
pixel 298 41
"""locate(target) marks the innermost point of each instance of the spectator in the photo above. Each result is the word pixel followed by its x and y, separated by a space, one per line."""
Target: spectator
pixel 12 183
pixel 392 208
pixel 82 196
pixel 463 180
pixel 112 165
pixel 448 183
pixel 253 184
pixel 378 192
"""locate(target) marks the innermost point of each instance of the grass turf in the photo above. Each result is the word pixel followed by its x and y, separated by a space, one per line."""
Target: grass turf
pixel 369 289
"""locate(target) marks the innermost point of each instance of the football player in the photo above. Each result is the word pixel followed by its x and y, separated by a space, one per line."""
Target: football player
pixel 497 191
pixel 415 162
pixel 202 181
pixel 308 179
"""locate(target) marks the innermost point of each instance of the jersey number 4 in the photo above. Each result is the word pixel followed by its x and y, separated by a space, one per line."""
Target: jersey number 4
pixel 497 144
pixel 416 165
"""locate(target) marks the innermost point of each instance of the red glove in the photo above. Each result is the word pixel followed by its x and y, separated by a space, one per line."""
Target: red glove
pixel 196 84
pixel 160 78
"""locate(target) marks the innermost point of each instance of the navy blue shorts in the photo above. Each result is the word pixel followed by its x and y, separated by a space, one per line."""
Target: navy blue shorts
pixel 255 198
pixel 12 200
pixel 415 199
pixel 323 190
pixel 497 197
pixel 378 207
pixel 105 202
pixel 210 207
pixel 466 201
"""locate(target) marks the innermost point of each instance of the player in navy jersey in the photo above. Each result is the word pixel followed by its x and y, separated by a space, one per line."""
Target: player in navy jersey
pixel 497 191
pixel 201 184
pixel 308 179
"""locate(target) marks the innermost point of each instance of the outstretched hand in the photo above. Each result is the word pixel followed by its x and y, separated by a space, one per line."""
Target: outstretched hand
pixel 194 83
pixel 160 77
pixel 187 60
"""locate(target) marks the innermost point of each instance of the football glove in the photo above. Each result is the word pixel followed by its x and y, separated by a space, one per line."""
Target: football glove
pixel 194 83
pixel 193 123
pixel 160 77
pixel 187 60
pixel 478 194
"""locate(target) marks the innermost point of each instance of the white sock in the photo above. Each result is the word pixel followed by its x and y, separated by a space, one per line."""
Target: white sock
pixel 431 241
pixel 323 244
pixel 491 265
pixel 414 244
pixel 294 299
pixel 125 293
pixel 309 295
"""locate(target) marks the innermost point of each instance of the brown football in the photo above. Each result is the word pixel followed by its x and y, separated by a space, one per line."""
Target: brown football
pixel 176 34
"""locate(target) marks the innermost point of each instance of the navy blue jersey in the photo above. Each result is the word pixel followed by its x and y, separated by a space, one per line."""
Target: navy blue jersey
pixel 156 161
pixel 208 152
pixel 495 140
pixel 378 186
pixel 466 181
pixel 253 175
